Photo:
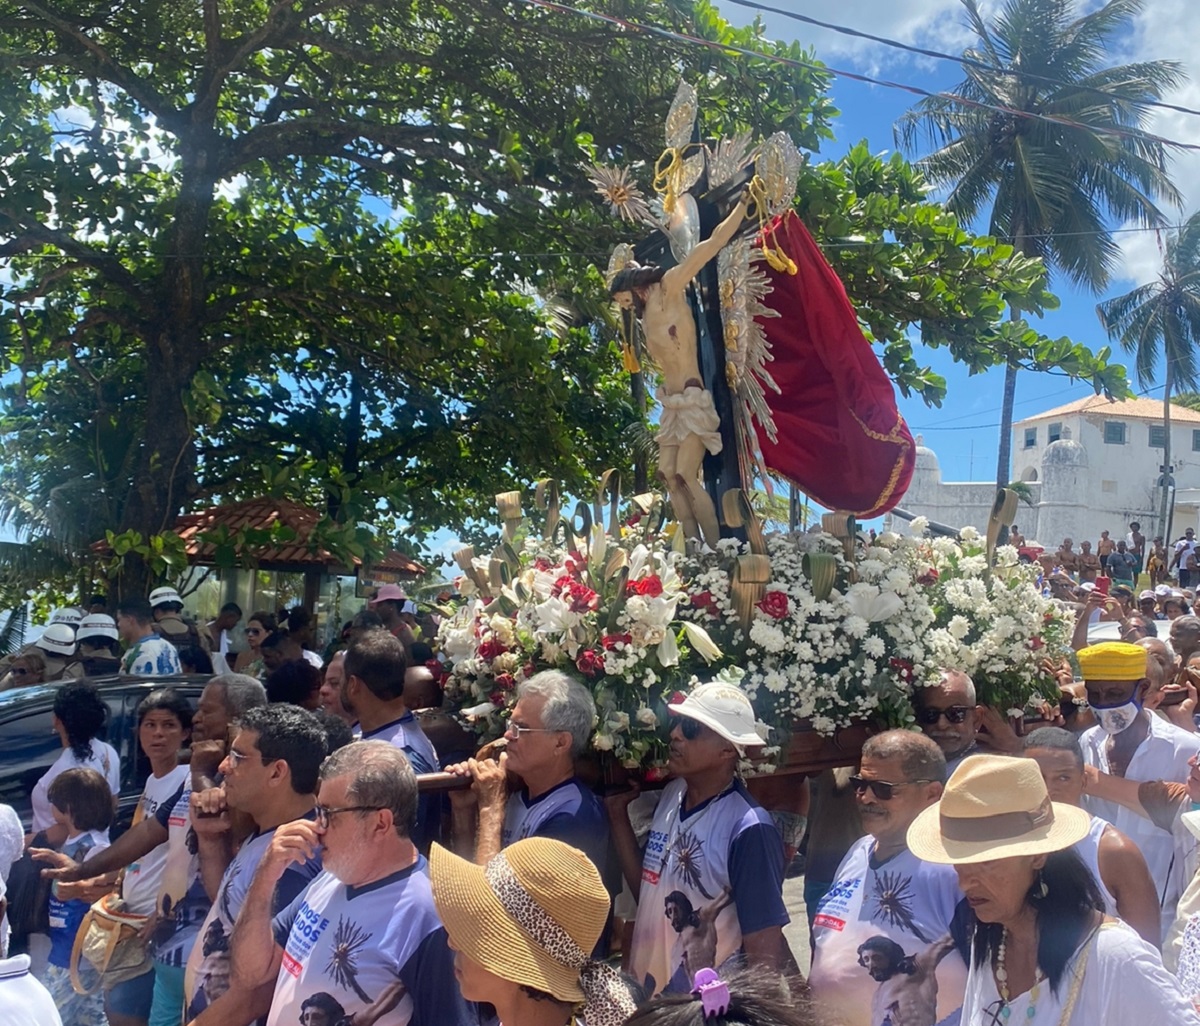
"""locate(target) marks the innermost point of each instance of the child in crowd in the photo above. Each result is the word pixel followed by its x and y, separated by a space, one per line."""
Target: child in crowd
pixel 83 803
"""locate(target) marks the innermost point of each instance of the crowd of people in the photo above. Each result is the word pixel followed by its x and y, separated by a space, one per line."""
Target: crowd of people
pixel 284 866
pixel 1122 560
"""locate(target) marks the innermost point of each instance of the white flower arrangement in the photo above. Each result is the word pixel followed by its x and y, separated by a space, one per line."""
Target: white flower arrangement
pixel 662 621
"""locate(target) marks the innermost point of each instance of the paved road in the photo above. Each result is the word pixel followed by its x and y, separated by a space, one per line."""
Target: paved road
pixel 796 931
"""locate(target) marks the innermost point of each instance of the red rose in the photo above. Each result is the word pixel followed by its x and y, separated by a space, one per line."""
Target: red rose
pixel 582 598
pixel 903 668
pixel 564 583
pixel 650 586
pixel 590 663
pixel 543 564
pixel 529 669
pixel 490 649
pixel 610 641
pixel 505 681
pixel 497 699
pixel 929 577
pixel 1035 644
pixel 676 698
pixel 634 520
pixel 654 773
pixel 774 604
pixel 704 600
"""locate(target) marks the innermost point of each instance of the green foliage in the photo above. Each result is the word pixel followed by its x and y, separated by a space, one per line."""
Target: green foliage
pixel 346 253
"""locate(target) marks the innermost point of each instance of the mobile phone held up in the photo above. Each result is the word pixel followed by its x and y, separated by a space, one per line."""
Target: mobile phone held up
pixel 1103 584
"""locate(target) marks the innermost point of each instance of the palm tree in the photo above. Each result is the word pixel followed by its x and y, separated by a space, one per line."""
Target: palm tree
pixel 1163 316
pixel 1051 183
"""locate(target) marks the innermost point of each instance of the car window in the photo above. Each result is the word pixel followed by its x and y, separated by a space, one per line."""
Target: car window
pixel 30 746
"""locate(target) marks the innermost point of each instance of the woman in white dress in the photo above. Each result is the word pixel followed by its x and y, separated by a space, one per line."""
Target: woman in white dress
pixel 1042 951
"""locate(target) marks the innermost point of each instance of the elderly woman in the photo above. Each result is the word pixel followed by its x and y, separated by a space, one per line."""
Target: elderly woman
pixel 522 928
pixel 1042 952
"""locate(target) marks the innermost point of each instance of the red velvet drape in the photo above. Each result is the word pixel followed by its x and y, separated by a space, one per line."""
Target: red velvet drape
pixel 840 437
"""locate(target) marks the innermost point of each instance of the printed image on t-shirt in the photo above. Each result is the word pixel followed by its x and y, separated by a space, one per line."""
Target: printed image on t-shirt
pixel 883 954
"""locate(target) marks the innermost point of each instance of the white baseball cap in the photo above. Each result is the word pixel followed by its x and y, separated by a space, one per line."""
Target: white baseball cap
pixel 1147 594
pixel 1162 591
pixel 58 638
pixel 723 708
pixel 97 625
pixel 68 615
pixel 160 596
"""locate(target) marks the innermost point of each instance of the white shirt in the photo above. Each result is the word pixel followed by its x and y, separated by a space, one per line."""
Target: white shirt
pixel 1089 850
pixel 143 878
pixel 1116 979
pixel 24 1001
pixel 12 843
pixel 1163 755
pixel 902 901
pixel 104 760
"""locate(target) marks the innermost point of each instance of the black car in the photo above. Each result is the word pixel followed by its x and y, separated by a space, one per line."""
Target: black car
pixel 29 744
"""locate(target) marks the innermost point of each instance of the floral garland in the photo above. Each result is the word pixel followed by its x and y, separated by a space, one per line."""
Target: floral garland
pixel 637 620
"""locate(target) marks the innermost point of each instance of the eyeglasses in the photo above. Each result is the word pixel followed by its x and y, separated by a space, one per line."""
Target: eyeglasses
pixel 518 731
pixel 322 813
pixel 884 790
pixel 954 714
pixel 236 758
pixel 689 728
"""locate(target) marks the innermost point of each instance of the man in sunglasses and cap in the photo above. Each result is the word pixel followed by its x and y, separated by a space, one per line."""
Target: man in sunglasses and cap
pixel 711 844
pixel 884 900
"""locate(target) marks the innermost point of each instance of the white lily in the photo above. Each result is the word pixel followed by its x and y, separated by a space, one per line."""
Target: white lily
pixel 871 604
pixel 700 641
pixel 668 649
pixel 475 711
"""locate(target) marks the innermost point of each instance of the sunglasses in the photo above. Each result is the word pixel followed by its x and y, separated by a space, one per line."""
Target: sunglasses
pixel 689 728
pixel 954 714
pixel 884 790
pixel 20 671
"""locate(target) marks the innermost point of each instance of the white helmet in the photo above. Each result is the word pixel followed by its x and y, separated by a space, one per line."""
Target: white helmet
pixel 57 639
pixel 68 615
pixel 97 625
pixel 161 596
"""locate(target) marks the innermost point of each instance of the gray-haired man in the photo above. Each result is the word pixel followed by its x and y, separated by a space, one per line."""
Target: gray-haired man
pixel 549 729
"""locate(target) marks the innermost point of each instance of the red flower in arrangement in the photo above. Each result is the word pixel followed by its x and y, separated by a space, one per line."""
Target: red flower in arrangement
pixel 634 520
pixel 653 774
pixel 543 564
pixel 581 598
pixel 929 577
pixel 505 681
pixel 774 604
pixel 903 668
pixel 490 649
pixel 564 583
pixel 1036 643
pixel 704 600
pixel 529 669
pixel 676 698
pixel 650 586
pixel 434 665
pixel 590 663
pixel 497 699
pixel 610 641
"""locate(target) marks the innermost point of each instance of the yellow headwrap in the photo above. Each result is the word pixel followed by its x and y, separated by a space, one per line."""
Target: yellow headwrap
pixel 1112 660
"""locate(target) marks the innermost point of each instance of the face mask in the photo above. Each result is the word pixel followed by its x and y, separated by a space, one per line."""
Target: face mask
pixel 1115 718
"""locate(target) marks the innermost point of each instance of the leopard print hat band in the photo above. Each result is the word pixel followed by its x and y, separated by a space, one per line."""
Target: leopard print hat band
pixel 607 1001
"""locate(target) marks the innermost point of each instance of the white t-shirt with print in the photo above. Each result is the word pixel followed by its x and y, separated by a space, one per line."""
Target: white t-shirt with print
pixel 104 760
pixel 709 876
pixel 909 973
pixel 143 878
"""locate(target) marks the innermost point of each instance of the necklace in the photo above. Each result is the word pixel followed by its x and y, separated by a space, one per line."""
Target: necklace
pixel 1001 973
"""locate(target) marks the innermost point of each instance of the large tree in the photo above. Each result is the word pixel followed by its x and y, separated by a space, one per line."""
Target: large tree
pixel 307 247
pixel 1161 320
pixel 1051 139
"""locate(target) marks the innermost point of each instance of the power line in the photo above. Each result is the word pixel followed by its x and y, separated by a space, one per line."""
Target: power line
pixel 682 37
pixel 961 59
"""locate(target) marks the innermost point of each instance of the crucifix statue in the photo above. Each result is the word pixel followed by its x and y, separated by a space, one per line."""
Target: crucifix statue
pixel 704 340
pixel 689 424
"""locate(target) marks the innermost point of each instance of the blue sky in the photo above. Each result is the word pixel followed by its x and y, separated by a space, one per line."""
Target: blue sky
pixel 965 431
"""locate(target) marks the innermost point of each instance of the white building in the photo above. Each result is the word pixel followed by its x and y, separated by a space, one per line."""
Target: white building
pixel 1091 465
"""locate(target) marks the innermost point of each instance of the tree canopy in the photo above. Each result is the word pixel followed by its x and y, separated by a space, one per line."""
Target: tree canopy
pixel 313 247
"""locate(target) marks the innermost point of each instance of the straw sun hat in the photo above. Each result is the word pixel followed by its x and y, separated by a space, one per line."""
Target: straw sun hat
pixel 532 916
pixel 995 807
